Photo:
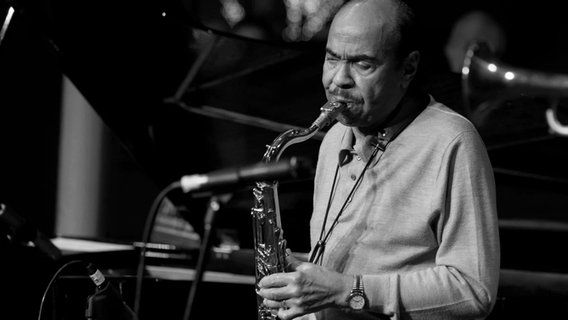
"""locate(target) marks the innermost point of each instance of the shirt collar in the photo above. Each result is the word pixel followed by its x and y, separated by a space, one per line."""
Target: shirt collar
pixel 365 148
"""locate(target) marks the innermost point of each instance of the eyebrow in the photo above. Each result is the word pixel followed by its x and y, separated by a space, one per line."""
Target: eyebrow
pixel 357 57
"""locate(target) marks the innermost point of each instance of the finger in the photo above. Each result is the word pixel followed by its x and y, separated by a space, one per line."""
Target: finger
pixel 289 313
pixel 273 280
pixel 274 304
pixel 292 262
pixel 276 294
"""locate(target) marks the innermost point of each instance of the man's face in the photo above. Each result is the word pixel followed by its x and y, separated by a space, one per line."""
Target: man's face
pixel 359 68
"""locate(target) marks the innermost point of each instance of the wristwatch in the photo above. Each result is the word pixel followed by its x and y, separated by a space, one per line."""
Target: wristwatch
pixel 357 299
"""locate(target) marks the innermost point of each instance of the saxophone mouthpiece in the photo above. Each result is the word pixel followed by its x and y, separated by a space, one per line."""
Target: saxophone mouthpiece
pixel 329 112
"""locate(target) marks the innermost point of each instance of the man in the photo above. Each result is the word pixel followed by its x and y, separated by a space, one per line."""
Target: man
pixel 404 222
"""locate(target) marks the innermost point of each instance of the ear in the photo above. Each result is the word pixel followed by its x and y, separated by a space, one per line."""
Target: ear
pixel 409 68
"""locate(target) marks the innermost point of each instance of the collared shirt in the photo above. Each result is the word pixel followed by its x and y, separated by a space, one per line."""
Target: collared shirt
pixel 363 150
pixel 422 224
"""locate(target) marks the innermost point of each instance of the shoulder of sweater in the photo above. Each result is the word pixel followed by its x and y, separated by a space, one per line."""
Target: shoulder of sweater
pixel 437 117
pixel 438 127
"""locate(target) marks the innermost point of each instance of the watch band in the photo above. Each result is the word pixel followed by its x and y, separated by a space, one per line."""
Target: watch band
pixel 357 299
pixel 358 282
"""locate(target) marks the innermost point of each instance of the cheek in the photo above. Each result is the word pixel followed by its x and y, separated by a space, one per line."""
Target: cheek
pixel 326 77
pixel 370 90
pixel 378 87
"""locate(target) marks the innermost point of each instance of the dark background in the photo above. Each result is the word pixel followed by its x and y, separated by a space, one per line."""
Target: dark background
pixel 126 58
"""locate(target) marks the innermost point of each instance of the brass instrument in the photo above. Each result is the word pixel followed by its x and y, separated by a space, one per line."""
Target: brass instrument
pixel 269 243
pixel 485 79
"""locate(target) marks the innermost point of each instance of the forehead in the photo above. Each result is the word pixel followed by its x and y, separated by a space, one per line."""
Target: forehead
pixel 362 26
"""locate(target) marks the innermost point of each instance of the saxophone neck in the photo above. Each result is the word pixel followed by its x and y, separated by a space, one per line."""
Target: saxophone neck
pixel 329 112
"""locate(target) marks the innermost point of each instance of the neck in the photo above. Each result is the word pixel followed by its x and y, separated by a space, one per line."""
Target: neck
pixel 407 107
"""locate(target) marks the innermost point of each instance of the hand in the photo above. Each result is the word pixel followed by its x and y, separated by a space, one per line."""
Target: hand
pixel 305 289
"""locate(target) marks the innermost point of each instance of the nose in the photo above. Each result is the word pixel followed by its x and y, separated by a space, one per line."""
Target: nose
pixel 342 77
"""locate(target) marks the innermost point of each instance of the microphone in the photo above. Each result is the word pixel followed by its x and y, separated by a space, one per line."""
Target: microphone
pixel 294 168
pixel 23 231
pixel 106 303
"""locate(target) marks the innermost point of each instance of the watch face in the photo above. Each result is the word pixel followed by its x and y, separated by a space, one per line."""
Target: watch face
pixel 357 302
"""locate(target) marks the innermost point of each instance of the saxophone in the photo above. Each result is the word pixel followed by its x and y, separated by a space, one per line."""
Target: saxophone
pixel 269 243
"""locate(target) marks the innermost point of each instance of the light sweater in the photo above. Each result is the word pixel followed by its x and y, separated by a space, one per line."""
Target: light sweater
pixel 422 225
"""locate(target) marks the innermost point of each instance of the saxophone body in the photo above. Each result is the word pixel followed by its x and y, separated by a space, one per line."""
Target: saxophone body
pixel 269 243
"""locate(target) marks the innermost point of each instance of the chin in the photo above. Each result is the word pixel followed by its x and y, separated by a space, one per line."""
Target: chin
pixel 346 121
pixel 350 117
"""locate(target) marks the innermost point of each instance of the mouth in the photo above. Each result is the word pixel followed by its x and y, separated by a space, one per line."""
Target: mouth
pixel 344 97
pixel 349 103
pixel 341 99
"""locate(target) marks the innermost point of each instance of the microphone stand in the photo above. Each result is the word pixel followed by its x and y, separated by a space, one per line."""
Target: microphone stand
pixel 213 208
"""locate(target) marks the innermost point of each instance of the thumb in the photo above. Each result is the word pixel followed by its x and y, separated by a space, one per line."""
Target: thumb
pixel 291 262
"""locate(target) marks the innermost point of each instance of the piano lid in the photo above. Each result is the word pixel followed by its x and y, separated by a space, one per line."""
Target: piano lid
pixel 180 97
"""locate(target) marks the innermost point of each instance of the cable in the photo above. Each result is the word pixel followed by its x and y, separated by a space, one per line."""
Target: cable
pixel 141 262
pixel 55 276
pixel 146 238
